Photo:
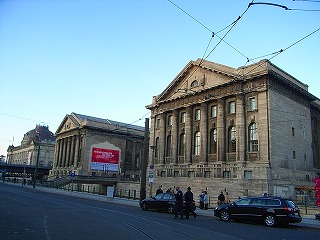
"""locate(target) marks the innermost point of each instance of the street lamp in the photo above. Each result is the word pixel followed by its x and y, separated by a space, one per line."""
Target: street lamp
pixel 36 142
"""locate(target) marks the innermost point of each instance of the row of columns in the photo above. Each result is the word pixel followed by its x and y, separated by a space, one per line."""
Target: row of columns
pixel 67 152
pixel 204 128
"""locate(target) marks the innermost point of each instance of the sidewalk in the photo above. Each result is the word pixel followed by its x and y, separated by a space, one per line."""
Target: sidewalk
pixel 306 221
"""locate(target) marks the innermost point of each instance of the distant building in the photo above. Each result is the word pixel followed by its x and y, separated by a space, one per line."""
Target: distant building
pixel 248 131
pixel 26 153
pixel 87 146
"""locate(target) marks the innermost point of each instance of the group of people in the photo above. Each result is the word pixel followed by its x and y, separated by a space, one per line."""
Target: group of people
pixel 188 197
pixel 204 200
pixel 223 199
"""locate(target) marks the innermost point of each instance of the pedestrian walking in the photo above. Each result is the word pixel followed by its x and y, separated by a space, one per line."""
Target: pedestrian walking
pixel 188 197
pixel 201 197
pixel 221 199
pixel 179 203
pixel 206 200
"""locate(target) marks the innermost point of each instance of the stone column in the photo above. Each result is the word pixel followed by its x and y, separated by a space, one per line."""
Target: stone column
pixel 76 152
pixel 71 159
pixel 221 130
pixel 241 128
pixel 162 139
pixel 204 133
pixel 68 152
pixel 174 136
pixel 189 135
pixel 60 152
pixel 64 156
pixel 152 140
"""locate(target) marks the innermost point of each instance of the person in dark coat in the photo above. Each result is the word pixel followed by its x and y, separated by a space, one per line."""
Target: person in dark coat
pixel 201 197
pixel 179 203
pixel 159 190
pixel 188 197
pixel 221 199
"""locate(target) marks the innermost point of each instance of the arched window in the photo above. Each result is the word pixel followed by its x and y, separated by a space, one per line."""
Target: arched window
pixel 194 83
pixel 197 143
pixel 168 149
pixel 213 141
pixel 182 142
pixel 232 139
pixel 253 137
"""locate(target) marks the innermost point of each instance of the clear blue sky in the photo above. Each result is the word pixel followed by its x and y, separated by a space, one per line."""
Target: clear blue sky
pixel 108 58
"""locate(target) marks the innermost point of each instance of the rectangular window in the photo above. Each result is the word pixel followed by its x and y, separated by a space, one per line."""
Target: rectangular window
pixel 252 104
pixel 308 178
pixel 170 120
pixel 232 107
pixel 197 115
pixel 197 142
pixel 247 175
pixel 183 117
pixel 158 123
pixel 176 174
pixel 213 111
pixel 163 174
pixel 207 174
pixel 191 174
pixel 292 131
pixel 294 154
pixel 226 174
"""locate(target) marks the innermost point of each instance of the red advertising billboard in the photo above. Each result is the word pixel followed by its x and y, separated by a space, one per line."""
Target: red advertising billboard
pixel 105 159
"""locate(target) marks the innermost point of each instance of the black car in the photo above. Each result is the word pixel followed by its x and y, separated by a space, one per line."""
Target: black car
pixel 270 210
pixel 163 202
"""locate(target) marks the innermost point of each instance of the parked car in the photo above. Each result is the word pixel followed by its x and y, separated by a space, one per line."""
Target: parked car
pixel 270 210
pixel 163 202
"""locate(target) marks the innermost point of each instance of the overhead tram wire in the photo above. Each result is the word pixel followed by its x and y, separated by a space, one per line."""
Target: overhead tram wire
pixel 284 7
pixel 214 34
pixel 281 51
pixel 139 118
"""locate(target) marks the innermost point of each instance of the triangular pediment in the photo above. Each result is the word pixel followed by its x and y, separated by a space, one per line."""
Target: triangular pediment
pixel 197 76
pixel 70 122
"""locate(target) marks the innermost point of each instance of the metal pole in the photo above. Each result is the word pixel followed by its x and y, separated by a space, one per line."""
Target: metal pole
pixel 144 161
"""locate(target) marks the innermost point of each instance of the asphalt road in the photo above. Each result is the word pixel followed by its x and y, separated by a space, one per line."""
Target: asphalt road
pixel 26 213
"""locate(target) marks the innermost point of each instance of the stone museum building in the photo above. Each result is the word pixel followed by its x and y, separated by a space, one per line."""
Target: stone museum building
pixel 245 131
pixel 81 139
pixel 40 138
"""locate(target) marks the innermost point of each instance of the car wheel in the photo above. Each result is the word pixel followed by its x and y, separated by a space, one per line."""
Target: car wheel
pixel 224 215
pixel 270 220
pixel 170 209
pixel 144 207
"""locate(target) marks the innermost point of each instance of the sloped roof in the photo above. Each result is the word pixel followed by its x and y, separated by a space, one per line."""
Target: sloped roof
pixel 231 74
pixel 83 118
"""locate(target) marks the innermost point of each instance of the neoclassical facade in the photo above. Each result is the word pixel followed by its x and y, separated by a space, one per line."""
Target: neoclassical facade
pixel 243 130
pixel 79 135
pixel 40 139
